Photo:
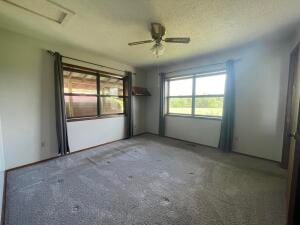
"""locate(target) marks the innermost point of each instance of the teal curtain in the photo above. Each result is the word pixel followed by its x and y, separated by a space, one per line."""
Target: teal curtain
pixel 162 105
pixel 60 110
pixel 226 134
pixel 128 90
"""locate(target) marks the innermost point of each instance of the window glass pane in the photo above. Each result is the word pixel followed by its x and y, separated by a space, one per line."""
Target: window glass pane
pixel 111 105
pixel 79 83
pixel 210 85
pixel 180 105
pixel 181 87
pixel 209 106
pixel 81 106
pixel 111 86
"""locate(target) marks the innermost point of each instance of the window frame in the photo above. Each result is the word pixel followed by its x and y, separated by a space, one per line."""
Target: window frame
pixel 97 74
pixel 193 96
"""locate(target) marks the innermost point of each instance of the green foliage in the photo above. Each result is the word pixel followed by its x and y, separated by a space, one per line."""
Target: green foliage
pixel 180 102
pixel 209 106
pixel 200 102
pixel 213 102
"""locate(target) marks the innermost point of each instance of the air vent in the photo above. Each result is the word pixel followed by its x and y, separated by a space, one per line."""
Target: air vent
pixel 47 9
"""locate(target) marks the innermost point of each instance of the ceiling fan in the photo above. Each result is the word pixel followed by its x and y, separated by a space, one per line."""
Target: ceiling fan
pixel 157 33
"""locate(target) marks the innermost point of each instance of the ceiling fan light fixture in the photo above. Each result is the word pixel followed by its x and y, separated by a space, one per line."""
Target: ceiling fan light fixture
pixel 158 49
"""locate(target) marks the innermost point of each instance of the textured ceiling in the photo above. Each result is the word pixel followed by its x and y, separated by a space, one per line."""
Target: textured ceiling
pixel 106 26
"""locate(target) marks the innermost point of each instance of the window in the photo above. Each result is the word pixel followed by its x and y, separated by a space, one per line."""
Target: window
pixel 111 92
pixel 180 96
pixel 209 95
pixel 92 94
pixel 197 95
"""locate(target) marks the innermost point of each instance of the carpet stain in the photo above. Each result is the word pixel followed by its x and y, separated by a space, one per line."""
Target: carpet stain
pixel 75 208
pixel 60 181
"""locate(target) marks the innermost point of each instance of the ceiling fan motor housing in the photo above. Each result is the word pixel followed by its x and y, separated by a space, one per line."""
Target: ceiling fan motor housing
pixel 157 31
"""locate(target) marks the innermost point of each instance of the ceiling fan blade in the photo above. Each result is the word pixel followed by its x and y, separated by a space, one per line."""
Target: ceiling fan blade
pixel 184 40
pixel 139 42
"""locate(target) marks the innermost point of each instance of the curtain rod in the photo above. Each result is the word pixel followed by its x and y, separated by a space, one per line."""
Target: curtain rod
pixel 198 67
pixel 95 64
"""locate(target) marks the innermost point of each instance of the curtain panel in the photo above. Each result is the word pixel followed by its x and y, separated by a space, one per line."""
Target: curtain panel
pixel 161 132
pixel 128 90
pixel 227 126
pixel 61 120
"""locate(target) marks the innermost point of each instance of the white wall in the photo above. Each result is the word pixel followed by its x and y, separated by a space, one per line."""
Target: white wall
pixel 27 99
pixel 152 102
pixel 89 133
pixel 2 168
pixel 139 105
pixel 261 83
pixel 194 130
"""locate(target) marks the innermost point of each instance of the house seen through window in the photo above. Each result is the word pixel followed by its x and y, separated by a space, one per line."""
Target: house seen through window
pixel 92 95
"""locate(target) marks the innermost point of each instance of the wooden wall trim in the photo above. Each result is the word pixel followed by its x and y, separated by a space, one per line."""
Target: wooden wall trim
pixel 288 108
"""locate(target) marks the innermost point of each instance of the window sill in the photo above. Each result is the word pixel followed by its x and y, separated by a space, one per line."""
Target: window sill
pixel 195 117
pixel 95 117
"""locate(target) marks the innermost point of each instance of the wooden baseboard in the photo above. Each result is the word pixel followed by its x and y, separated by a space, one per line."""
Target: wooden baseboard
pixel 177 139
pixel 89 148
pixel 146 133
pixel 55 157
pixel 136 135
pixel 234 152
pixel 31 164
pixel 256 157
pixel 194 143
pixel 77 151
